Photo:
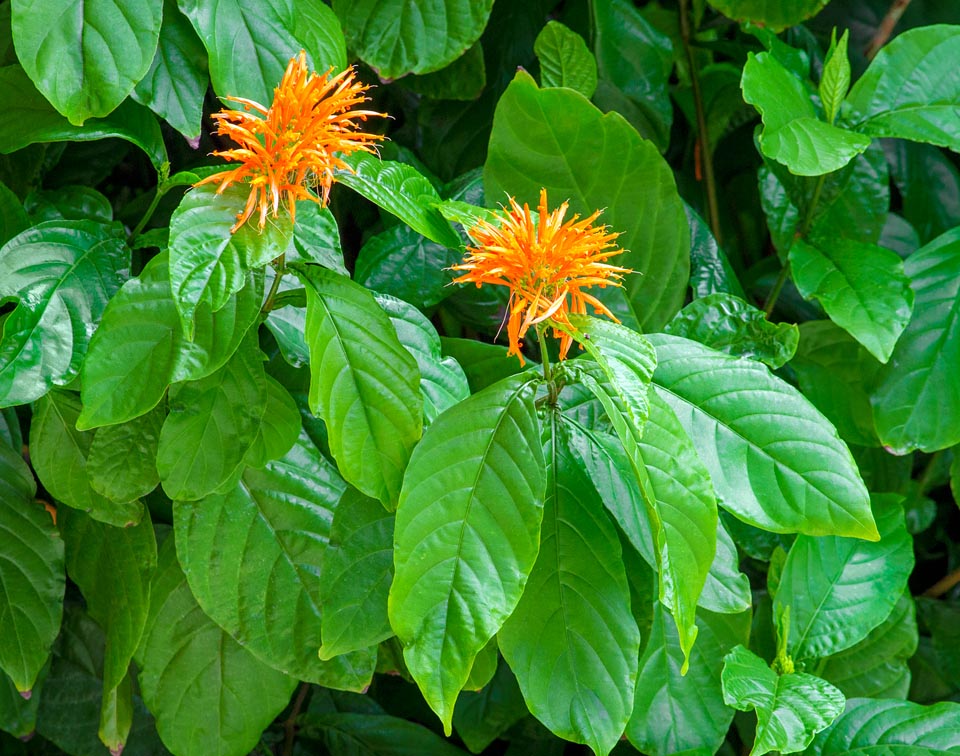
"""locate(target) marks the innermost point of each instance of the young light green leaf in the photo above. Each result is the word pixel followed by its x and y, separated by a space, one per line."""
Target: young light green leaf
pixel 31 576
pixel 467 535
pixel 555 138
pixel 783 466
pixel 791 708
pixel 187 664
pixel 862 287
pixel 363 383
pixel 572 641
pixel 839 589
pixel 565 60
pixel 916 402
pixel 835 81
pixel 122 459
pixel 910 90
pixel 357 572
pixel 63 273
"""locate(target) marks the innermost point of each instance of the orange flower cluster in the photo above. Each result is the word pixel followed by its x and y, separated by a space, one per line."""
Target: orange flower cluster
pixel 546 264
pixel 292 145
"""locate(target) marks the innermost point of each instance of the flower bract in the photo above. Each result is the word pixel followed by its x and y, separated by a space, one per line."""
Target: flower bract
pixel 547 263
pixel 296 144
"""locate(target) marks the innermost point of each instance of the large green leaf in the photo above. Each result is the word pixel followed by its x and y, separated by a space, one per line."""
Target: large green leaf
pixel 775 14
pixel 555 138
pixel 31 574
pixel 482 716
pixel 565 59
pixel 877 666
pixel 572 641
pixel 140 348
pixel 212 424
pixel 266 537
pixel 363 383
pixel 861 286
pixel 396 38
pixel 113 568
pixel 59 453
pixel 63 273
pixel 774 460
pixel 207 261
pixel 264 34
pixel 467 535
pixel 357 572
pixel 791 708
pixel 916 402
pixel 86 57
pixel 362 734
pixel 910 89
pixel 28 118
pixel 676 713
pixel 839 589
pixel 879 728
pixel 122 459
pixel 402 190
pixel 210 695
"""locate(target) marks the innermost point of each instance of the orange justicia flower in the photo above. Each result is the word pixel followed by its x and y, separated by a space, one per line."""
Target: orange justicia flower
pixel 293 144
pixel 546 265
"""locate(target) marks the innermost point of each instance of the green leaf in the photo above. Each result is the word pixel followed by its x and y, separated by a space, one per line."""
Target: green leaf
pixel 59 454
pixel 31 575
pixel 63 273
pixel 212 424
pixel 357 572
pixel 68 203
pixel 835 81
pixel 929 185
pixel 710 269
pixel 464 79
pixel 876 667
pixel 442 380
pixel 467 534
pixel 396 38
pixel 402 190
pixel 207 261
pixel 862 287
pixel 484 667
pixel 909 90
pixel 188 664
pixel 113 568
pixel 122 459
pixel 565 60
pixel 839 589
pixel 726 589
pixel 28 118
pixel 140 347
pixel 728 324
pixel 13 218
pixel 174 85
pixel 480 717
pixel 372 735
pixel 555 138
pixel 279 426
pixel 484 364
pixel 572 641
pixel 773 14
pixel 363 383
pixel 86 57
pixel 264 34
pixel 790 708
pixel 676 713
pixel 916 402
pixel 18 715
pixel 783 466
pixel 876 728
pixel 792 133
pixel 266 537
pixel 316 238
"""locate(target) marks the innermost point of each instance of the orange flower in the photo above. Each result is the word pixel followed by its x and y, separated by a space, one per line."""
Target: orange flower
pixel 293 144
pixel 546 265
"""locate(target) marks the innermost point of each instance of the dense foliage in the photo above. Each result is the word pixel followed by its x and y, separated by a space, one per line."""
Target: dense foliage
pixel 605 392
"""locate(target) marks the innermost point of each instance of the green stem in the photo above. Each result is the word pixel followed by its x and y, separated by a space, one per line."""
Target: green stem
pixel 547 367
pixel 279 272
pixel 158 195
pixel 774 294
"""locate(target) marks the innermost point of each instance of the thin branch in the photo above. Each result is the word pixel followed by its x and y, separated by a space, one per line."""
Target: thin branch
pixel 290 725
pixel 943 585
pixel 886 28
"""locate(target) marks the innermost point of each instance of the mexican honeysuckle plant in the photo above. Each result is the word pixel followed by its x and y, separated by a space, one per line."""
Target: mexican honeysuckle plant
pixel 457 375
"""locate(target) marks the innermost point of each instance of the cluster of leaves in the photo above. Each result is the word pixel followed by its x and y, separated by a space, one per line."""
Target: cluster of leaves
pixel 283 492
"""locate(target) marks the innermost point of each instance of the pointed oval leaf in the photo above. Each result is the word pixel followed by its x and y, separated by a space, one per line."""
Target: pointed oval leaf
pixel 555 138
pixel 63 273
pixel 774 14
pixel 565 59
pixel 572 641
pixel 122 459
pixel 278 429
pixel 916 402
pixel 188 664
pixel 86 57
pixel 363 383
pixel 839 589
pixel 32 576
pixel 783 466
pixel 467 534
